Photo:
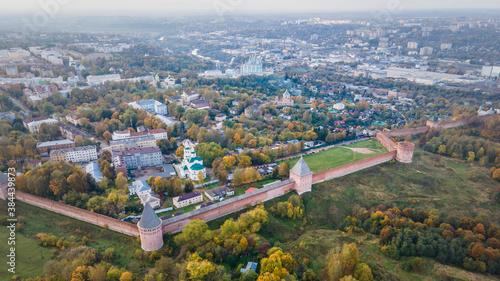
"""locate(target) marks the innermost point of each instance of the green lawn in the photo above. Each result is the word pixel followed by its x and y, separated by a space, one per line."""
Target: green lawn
pixel 30 257
pixel 454 187
pixel 37 220
pixel 338 156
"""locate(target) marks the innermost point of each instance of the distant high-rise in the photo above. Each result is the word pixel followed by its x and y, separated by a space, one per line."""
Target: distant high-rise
pixel 446 46
pixel 426 51
pixel 252 66
pixel 491 71
pixel 412 45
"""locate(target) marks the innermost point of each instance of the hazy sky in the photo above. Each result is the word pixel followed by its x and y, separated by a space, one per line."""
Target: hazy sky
pixel 242 6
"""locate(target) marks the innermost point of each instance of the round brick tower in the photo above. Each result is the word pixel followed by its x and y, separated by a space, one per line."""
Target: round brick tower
pixel 405 151
pixel 150 230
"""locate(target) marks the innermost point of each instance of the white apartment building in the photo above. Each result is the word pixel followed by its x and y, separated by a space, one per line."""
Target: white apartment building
pixel 34 125
pixel 151 106
pixel 136 158
pixel 81 154
pixel 75 154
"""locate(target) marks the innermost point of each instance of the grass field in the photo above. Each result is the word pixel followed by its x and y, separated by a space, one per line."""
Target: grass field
pixel 339 155
pixel 37 220
pixel 30 257
pixel 456 188
pixel 452 186
pixel 315 244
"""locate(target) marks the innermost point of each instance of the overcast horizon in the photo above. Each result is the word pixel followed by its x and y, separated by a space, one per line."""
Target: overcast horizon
pixel 241 6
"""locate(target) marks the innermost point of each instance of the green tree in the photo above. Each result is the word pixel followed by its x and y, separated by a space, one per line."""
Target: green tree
pixel 189 186
pixel 194 234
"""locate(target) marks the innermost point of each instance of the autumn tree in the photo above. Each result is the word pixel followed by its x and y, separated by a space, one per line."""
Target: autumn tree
pixel 121 181
pixel 201 177
pixel 344 263
pixel 284 171
pixel 245 161
pixel 180 151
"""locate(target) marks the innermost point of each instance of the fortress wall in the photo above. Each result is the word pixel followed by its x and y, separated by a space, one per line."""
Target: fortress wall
pixel 171 225
pixel 385 141
pixel 453 124
pixel 406 132
pixel 462 122
pixel 353 167
pixel 77 213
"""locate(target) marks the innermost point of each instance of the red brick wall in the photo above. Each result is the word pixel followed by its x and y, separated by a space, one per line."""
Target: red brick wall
pixel 229 208
pixel 353 167
pixel 386 141
pixel 77 213
pixel 461 122
pixel 406 132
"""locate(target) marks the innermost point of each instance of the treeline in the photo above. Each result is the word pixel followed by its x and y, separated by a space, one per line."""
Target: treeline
pixel 244 173
pixel 469 243
pixel 75 260
pixel 234 241
pixel 64 182
pixel 467 143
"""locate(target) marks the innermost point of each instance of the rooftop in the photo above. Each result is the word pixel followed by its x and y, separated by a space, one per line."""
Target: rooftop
pixel 301 168
pixel 71 149
pixel 188 196
pixel 149 219
pixel 57 142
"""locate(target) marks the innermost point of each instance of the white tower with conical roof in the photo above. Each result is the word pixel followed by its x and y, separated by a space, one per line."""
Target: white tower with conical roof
pixel 150 229
pixel 302 176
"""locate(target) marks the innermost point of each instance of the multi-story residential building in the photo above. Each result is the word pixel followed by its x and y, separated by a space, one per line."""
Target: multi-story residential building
pixel 157 133
pixel 135 142
pixel 174 99
pixel 73 119
pixel 75 154
pixel 33 124
pixel 187 98
pixel 187 199
pixel 103 78
pixel 51 145
pixel 151 106
pixel 124 160
pixel 412 45
pixel 119 135
pixel 426 51
pixel 201 104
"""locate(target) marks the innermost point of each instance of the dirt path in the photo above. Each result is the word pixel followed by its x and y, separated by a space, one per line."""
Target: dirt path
pixel 181 253
pixel 359 150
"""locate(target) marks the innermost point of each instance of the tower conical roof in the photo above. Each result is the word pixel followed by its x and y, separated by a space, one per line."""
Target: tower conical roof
pixel 149 219
pixel 301 168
